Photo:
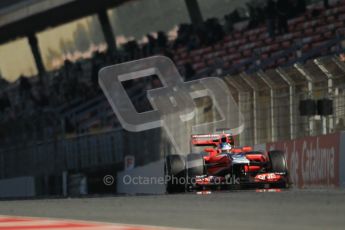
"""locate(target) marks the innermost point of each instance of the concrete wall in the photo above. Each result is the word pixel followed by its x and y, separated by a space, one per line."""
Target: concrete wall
pixel 17 187
pixel 148 179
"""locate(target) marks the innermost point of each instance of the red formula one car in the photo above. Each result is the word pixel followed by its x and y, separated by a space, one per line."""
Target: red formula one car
pixel 222 165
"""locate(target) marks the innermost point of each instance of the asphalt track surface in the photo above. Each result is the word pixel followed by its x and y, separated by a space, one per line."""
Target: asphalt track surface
pixel 291 209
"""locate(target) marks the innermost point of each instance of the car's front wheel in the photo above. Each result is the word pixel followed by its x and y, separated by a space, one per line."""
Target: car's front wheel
pixel 278 161
pixel 278 165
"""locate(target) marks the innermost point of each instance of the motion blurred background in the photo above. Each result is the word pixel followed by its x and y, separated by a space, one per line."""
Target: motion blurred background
pixel 282 60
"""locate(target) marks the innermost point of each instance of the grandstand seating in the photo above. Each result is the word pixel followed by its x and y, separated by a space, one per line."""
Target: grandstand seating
pixel 307 30
pixel 244 50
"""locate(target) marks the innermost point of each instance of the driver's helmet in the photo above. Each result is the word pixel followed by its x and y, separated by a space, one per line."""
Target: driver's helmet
pixel 225 148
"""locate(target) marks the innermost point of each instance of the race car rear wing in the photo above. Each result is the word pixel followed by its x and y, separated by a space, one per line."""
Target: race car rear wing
pixel 210 139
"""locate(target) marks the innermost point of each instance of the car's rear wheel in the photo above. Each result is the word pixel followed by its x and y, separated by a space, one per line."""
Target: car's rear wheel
pixel 195 164
pixel 174 170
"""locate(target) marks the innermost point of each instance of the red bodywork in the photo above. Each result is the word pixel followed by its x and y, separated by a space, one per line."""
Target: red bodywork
pixel 217 162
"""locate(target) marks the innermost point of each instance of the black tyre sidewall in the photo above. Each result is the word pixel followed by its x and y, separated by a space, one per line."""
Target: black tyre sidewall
pixel 277 161
pixel 174 167
pixel 197 159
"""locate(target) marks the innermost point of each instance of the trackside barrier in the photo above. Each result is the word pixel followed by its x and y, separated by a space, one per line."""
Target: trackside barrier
pixel 17 187
pixel 148 179
pixel 317 161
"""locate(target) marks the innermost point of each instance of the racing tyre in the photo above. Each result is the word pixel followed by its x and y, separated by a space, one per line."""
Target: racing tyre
pixel 195 165
pixel 278 161
pixel 278 165
pixel 174 169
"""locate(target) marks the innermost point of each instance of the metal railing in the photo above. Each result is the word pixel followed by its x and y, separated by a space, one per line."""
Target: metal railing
pixel 270 100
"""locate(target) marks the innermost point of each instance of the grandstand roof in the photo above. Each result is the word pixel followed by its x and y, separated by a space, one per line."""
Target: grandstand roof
pixel 19 18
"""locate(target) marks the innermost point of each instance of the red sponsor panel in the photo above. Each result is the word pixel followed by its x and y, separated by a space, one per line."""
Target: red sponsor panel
pixel 312 161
